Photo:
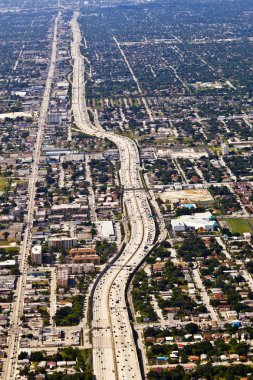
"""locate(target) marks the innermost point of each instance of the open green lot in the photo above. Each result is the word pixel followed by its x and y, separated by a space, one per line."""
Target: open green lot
pixel 3 182
pixel 239 225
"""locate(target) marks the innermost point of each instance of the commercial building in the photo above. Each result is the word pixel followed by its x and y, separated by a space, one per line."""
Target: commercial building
pixel 198 221
pixel 79 268
pixel 224 149
pixel 62 242
pixel 62 277
pixel 7 263
pixel 7 282
pixel 112 154
pixel 105 230
pixel 84 255
pixel 36 254
pixel 54 118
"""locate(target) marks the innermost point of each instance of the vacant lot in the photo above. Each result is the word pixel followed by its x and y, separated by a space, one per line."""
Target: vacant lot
pixel 187 196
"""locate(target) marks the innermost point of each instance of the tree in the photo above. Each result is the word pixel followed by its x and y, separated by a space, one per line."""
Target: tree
pixel 22 355
pixel 191 328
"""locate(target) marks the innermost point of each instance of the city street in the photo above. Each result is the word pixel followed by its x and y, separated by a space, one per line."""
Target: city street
pixel 9 370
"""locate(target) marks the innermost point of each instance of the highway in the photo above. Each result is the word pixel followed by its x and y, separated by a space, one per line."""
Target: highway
pixel 15 330
pixel 114 350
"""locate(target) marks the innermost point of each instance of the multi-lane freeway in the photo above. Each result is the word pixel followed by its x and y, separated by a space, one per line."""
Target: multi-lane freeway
pixel 15 331
pixel 114 350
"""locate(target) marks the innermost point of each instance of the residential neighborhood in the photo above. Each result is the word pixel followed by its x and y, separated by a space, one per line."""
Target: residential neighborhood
pixel 126 190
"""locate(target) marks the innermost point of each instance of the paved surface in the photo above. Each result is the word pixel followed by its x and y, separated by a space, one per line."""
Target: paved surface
pixel 114 350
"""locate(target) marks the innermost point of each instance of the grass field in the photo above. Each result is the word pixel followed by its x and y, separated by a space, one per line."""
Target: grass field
pixel 11 243
pixel 3 182
pixel 239 225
